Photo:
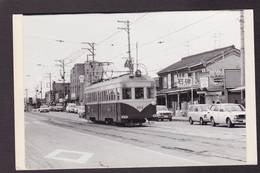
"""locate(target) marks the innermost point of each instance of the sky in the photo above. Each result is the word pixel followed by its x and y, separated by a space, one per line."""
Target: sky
pixel 163 38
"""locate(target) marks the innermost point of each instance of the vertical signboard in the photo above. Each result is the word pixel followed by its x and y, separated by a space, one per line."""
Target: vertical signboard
pixel 169 81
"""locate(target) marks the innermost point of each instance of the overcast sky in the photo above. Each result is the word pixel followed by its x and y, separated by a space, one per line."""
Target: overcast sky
pixel 163 39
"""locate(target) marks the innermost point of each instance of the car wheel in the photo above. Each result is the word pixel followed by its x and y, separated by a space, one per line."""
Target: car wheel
pixel 170 119
pixel 229 123
pixel 190 121
pixel 201 121
pixel 212 121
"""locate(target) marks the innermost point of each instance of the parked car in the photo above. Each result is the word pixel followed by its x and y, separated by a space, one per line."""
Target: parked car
pixel 81 111
pixel 162 113
pixel 71 107
pixel 59 107
pixel 229 114
pixel 52 108
pixel 198 113
pixel 44 108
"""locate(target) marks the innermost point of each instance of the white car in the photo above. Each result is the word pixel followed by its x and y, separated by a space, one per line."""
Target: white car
pixel 198 113
pixel 44 108
pixel 71 107
pixel 229 114
pixel 162 113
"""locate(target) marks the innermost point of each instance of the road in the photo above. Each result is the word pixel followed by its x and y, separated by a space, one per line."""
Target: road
pixel 59 140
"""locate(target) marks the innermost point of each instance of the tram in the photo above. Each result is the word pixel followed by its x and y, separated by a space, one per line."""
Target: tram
pixel 126 99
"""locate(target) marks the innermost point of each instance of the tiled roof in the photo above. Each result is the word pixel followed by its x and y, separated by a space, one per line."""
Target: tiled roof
pixel 197 59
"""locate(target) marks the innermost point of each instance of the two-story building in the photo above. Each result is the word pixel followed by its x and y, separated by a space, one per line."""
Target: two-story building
pixel 77 86
pixel 199 79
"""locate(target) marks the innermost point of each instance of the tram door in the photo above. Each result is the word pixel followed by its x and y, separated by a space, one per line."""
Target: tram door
pixel 98 111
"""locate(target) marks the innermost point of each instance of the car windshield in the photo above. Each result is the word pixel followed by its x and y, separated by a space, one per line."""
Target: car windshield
pixel 231 108
pixel 161 108
pixel 204 108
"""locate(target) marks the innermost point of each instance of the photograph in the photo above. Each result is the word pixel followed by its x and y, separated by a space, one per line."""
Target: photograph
pixel 134 90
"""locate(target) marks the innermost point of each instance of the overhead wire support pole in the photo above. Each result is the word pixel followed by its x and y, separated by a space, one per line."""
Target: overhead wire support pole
pixel 62 74
pixel 242 53
pixel 127 29
pixel 91 49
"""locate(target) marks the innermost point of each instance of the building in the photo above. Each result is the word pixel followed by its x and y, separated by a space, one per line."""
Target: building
pixel 94 72
pixel 50 97
pixel 76 86
pixel 206 77
pixel 59 89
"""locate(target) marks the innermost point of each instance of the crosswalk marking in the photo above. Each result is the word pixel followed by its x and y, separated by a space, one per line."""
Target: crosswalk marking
pixel 70 156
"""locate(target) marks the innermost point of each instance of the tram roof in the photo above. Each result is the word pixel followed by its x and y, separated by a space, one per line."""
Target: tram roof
pixel 121 79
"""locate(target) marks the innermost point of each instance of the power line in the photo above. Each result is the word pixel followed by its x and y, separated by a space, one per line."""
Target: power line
pixel 179 30
pixel 117 32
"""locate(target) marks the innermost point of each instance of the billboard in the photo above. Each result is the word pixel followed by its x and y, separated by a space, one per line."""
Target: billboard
pixel 232 78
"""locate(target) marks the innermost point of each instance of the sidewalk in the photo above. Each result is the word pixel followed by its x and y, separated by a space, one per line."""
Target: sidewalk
pixel 180 118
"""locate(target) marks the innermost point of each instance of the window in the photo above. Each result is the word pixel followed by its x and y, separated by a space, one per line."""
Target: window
pixel 139 93
pixel 118 93
pixel 165 82
pixel 126 93
pixel 150 92
pixel 112 95
pixel 216 108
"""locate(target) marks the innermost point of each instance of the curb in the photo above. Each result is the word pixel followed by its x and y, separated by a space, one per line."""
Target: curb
pixel 180 119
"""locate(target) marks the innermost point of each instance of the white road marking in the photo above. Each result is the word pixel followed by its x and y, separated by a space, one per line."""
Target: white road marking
pixel 81 157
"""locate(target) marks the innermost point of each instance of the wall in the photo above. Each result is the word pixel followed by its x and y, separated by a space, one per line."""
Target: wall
pixel 216 69
pixel 76 71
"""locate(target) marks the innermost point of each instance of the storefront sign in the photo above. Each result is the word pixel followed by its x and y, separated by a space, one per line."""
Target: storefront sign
pixel 169 81
pixel 183 82
pixel 204 82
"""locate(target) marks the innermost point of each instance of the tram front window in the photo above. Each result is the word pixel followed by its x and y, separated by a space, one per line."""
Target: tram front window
pixel 139 93
pixel 126 93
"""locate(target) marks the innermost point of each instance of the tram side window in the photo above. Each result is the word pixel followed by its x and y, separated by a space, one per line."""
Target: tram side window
pixel 126 93
pixel 150 92
pixel 117 94
pixel 139 93
pixel 112 95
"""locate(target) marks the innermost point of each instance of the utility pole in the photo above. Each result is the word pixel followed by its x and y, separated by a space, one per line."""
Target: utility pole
pixel 91 49
pixel 136 55
pixel 242 53
pixel 41 91
pixel 61 64
pixel 50 87
pixel 129 62
pixel 26 99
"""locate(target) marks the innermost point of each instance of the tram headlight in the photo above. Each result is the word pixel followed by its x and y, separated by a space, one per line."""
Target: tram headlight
pixel 124 117
pixel 153 103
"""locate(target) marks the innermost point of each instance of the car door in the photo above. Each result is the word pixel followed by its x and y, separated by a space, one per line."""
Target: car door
pixel 222 114
pixel 219 115
pixel 214 112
